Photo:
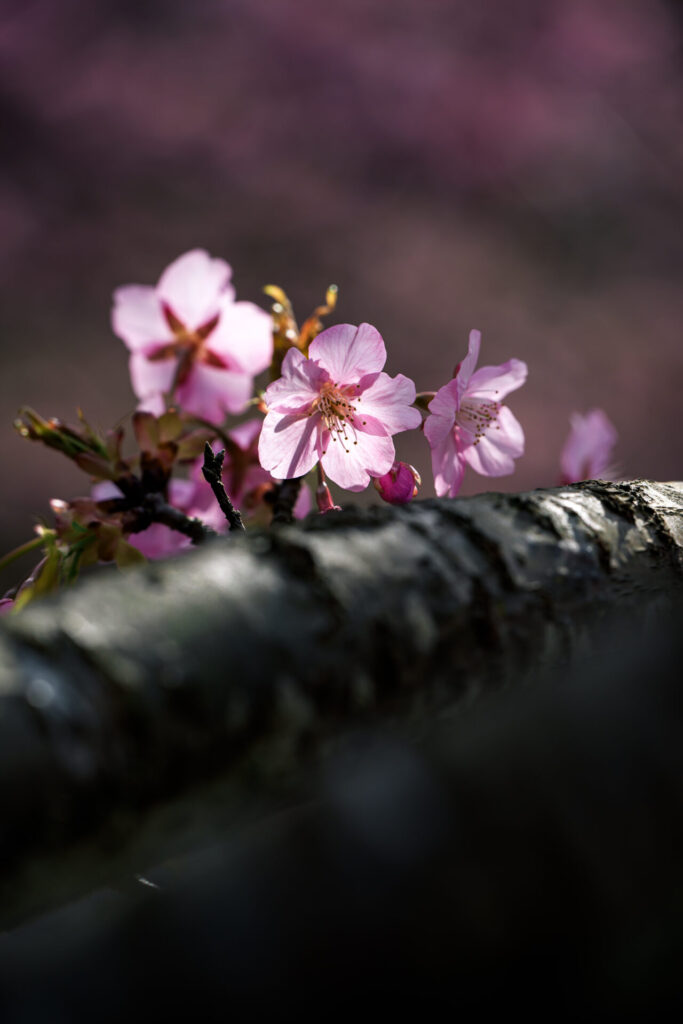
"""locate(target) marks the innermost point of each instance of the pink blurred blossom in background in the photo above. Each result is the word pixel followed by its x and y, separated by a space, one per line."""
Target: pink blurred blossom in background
pixel 587 452
pixel 189 339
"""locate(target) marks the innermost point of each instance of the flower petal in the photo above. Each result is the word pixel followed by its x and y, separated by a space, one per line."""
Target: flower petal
pixel 348 352
pixel 194 286
pixel 465 369
pixel 448 466
pixel 446 401
pixel 151 378
pixel 390 400
pixel 104 490
pixel 303 504
pixel 495 382
pixel 351 465
pixel 243 337
pixel 498 447
pixel 289 444
pixel 137 317
pixel 298 386
pixel 158 541
pixel 588 449
pixel 210 392
pixel 244 435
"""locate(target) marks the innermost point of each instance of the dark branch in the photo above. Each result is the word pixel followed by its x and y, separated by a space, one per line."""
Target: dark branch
pixel 284 500
pixel 161 512
pixel 213 474
pixel 252 657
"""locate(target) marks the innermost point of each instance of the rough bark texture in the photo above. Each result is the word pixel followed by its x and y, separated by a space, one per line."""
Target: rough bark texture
pixel 242 661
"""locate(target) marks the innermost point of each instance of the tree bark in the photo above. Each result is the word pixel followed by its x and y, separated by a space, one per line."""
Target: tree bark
pixel 241 662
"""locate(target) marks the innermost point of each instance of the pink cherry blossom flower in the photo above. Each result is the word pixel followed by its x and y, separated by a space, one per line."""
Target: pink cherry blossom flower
pixel 588 449
pixel 6 604
pixel 188 335
pixel 400 485
pixel 469 426
pixel 336 407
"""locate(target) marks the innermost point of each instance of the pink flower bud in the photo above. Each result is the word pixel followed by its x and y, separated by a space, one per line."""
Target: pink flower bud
pixel 399 485
pixel 324 499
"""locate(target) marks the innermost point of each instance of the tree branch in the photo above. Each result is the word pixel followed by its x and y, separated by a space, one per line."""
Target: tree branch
pixel 243 660
pixel 284 500
pixel 213 474
pixel 161 512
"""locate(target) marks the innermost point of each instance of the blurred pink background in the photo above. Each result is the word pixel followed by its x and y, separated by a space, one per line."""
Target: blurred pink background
pixel 515 167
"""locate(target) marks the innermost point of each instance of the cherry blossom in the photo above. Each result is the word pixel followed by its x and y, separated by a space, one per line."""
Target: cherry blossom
pixel 400 485
pixel 6 605
pixel 588 449
pixel 468 424
pixel 336 407
pixel 187 335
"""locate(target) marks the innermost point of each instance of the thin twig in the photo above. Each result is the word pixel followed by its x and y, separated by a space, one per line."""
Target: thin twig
pixel 212 470
pixel 284 500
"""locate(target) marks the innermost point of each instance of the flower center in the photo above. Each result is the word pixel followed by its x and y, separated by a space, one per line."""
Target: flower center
pixel 478 416
pixel 338 412
pixel 188 345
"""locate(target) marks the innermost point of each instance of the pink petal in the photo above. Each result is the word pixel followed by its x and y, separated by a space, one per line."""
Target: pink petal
pixel 288 445
pixel 104 490
pixel 182 493
pixel 348 352
pixel 209 392
pixel 496 450
pixel 152 403
pixel 448 466
pixel 137 317
pixel 6 604
pixel 298 386
pixel 389 399
pixel 588 449
pixel 244 435
pixel 437 429
pixel 243 337
pixel 303 504
pixel 194 285
pixel 466 367
pixel 495 382
pixel 446 402
pixel 352 465
pixel 158 541
pixel 151 378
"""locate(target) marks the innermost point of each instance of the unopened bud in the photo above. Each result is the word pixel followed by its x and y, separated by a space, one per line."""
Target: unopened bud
pixel 399 485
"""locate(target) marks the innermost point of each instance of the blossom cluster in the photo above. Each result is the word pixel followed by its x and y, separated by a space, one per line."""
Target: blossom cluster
pixel 329 413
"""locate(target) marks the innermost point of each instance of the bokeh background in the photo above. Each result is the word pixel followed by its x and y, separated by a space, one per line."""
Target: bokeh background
pixel 511 166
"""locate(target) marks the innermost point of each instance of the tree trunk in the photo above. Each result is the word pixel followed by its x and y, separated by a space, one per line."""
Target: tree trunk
pixel 235 666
